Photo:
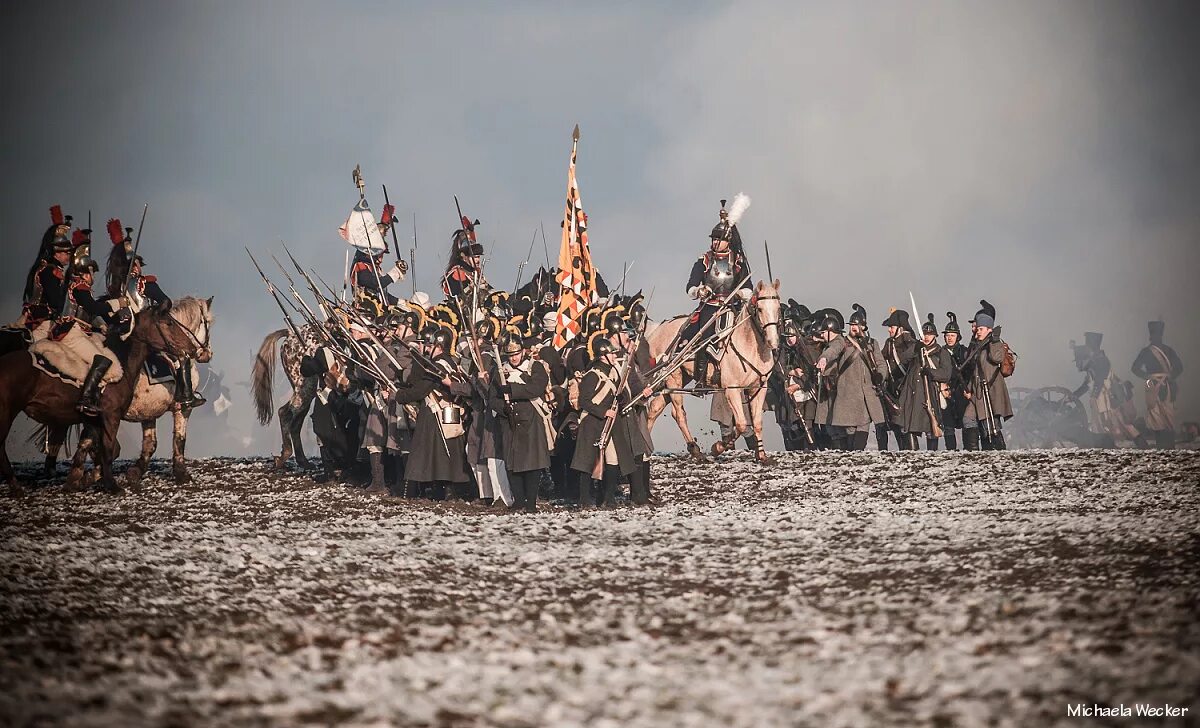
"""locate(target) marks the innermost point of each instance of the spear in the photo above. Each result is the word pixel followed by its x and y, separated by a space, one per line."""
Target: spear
pixel 137 244
pixel 274 294
pixel 412 256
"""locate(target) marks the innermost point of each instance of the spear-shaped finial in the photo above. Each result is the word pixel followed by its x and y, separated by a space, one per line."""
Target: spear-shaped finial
pixel 358 181
pixel 575 134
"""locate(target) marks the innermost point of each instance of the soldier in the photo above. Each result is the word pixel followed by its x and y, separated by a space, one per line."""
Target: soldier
pixel 1159 366
pixel 406 321
pixel 626 338
pixel 367 276
pixel 439 457
pixel 954 390
pixel 987 391
pixel 44 289
pixel 711 282
pixel 335 414
pixel 920 401
pixel 599 401
pixel 899 352
pixel 526 433
pixel 787 393
pixel 74 329
pixel 852 365
pixel 464 267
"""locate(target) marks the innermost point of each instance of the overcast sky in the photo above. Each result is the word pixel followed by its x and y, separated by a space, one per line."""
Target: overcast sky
pixel 1041 155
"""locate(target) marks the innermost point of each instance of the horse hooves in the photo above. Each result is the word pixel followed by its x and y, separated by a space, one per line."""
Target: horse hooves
pixel 764 459
pixel 696 453
pixel 133 474
pixel 304 463
pixel 182 477
pixel 717 448
pixel 280 463
pixel 16 489
pixel 111 488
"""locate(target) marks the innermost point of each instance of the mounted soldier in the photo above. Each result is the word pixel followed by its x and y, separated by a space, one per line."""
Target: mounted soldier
pixel 129 286
pixel 717 275
pixel 45 284
pixel 367 277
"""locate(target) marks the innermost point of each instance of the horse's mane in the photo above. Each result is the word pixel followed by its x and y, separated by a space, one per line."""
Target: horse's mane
pixel 191 311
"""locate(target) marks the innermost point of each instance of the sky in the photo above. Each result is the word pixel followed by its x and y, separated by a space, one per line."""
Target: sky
pixel 1043 156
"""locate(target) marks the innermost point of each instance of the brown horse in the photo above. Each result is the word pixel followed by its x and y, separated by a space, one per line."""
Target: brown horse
pixel 50 401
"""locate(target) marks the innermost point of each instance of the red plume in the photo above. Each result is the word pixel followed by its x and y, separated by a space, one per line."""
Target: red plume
pixel 78 238
pixel 56 215
pixel 115 233
pixel 469 227
pixel 389 214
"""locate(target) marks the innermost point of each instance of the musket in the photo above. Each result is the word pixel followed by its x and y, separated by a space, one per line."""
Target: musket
pixel 688 349
pixel 767 250
pixel 274 294
pixel 610 421
pixel 521 266
pixel 412 256
pixel 934 426
pixel 626 267
pixel 137 244
pixel 545 248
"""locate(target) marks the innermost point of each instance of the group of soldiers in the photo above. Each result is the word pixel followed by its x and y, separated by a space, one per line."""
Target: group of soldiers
pixel 1113 409
pixel 468 399
pixel 61 304
pixel 836 383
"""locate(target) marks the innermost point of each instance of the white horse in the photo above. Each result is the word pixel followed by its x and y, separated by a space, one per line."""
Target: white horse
pixel 151 401
pixel 745 365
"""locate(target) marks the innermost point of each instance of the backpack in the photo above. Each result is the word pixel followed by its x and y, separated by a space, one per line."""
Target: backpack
pixel 1009 363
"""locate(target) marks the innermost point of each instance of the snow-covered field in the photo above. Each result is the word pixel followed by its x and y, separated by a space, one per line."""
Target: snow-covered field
pixel 838 589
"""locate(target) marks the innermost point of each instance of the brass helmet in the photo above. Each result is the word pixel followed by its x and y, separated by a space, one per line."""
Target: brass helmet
pixel 81 259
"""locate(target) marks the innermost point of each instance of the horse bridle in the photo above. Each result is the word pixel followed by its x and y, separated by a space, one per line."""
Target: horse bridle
pixel 761 326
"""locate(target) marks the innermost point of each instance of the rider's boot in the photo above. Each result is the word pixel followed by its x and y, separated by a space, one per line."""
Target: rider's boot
pixel 89 398
pixel 700 368
pixel 184 394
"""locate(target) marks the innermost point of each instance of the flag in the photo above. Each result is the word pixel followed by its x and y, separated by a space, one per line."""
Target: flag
pixel 360 229
pixel 576 276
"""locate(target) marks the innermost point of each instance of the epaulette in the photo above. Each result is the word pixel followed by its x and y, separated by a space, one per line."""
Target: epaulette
pixel 150 279
pixel 58 272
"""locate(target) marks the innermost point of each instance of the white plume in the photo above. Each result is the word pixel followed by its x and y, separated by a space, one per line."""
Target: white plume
pixel 741 202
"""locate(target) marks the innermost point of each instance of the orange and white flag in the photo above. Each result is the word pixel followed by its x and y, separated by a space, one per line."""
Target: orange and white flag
pixel 576 275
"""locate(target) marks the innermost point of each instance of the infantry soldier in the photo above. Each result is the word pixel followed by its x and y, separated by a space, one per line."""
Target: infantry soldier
pixel 711 282
pixel 956 401
pixel 438 457
pixel 1106 393
pixel 920 400
pixel 1159 366
pixel 852 364
pixel 986 389
pixel 899 351
pixel 526 433
pixel 788 391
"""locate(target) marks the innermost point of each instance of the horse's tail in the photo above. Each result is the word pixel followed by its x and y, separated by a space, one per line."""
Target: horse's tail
pixel 37 438
pixel 262 377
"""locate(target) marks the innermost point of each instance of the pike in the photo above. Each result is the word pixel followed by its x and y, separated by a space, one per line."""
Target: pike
pixel 522 264
pixel 626 267
pixel 545 249
pixel 274 294
pixel 767 250
pixel 935 426
pixel 412 256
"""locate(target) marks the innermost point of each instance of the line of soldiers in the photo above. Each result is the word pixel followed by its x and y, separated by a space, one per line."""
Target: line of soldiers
pixel 468 399
pixel 835 383
pixel 59 304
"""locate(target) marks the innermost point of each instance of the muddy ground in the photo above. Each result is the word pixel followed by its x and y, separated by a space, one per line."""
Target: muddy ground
pixel 936 589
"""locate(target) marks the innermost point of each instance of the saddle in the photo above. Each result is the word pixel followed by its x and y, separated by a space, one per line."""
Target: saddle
pixel 158 369
pixel 56 359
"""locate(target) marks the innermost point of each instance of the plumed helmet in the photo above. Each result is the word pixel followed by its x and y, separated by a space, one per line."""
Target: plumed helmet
pixel 512 344
pixel 1156 328
pixel 1092 339
pixel 488 328
pixel 859 317
pixel 985 308
pixel 614 322
pixel 442 313
pixel 60 244
pixel 593 319
pixel 81 259
pixel 951 324
pixel 414 315
pixel 929 327
pixel 789 328
pixel 722 231
pixel 599 345
pixel 368 305
pixel 441 335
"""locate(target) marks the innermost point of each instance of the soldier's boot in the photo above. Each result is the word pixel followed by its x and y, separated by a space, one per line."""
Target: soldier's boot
pixel 951 440
pixel 903 441
pixel 859 441
pixel 377 485
pixel 881 436
pixel 997 441
pixel 396 483
pixel 89 397
pixel 970 438
pixel 931 443
pixel 585 490
pixel 1140 442
pixel 612 478
pixel 184 394
pixel 837 441
pixel 327 472
pixel 700 368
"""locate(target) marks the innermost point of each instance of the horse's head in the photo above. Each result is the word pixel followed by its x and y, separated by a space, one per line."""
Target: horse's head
pixel 768 311
pixel 195 315
pixel 162 332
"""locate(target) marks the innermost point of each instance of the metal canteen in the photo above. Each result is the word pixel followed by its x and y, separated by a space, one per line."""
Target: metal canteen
pixel 451 416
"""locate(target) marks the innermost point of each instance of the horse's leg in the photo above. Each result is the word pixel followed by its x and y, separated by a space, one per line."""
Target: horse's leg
pixel 756 412
pixel 75 476
pixel 103 453
pixel 308 393
pixel 679 414
pixel 6 468
pixel 178 461
pixel 149 444
pixel 729 436
pixel 285 429
pixel 55 436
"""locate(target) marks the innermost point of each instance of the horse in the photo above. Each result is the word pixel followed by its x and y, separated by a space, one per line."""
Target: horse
pixel 744 367
pixel 52 402
pixel 151 400
pixel 304 389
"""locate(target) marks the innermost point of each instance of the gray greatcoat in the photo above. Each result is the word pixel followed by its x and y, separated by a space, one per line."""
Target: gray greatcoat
pixel 922 378
pixel 984 366
pixel 593 406
pixel 521 438
pixel 855 403
pixel 429 460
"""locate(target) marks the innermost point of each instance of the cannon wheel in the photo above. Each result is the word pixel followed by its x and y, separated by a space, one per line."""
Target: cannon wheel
pixel 1044 414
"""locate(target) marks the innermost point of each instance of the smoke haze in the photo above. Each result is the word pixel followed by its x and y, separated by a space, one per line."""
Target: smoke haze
pixel 1041 155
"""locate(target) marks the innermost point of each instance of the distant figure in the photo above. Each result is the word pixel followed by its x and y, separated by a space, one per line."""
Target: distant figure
pixel 1108 398
pixel 1160 367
